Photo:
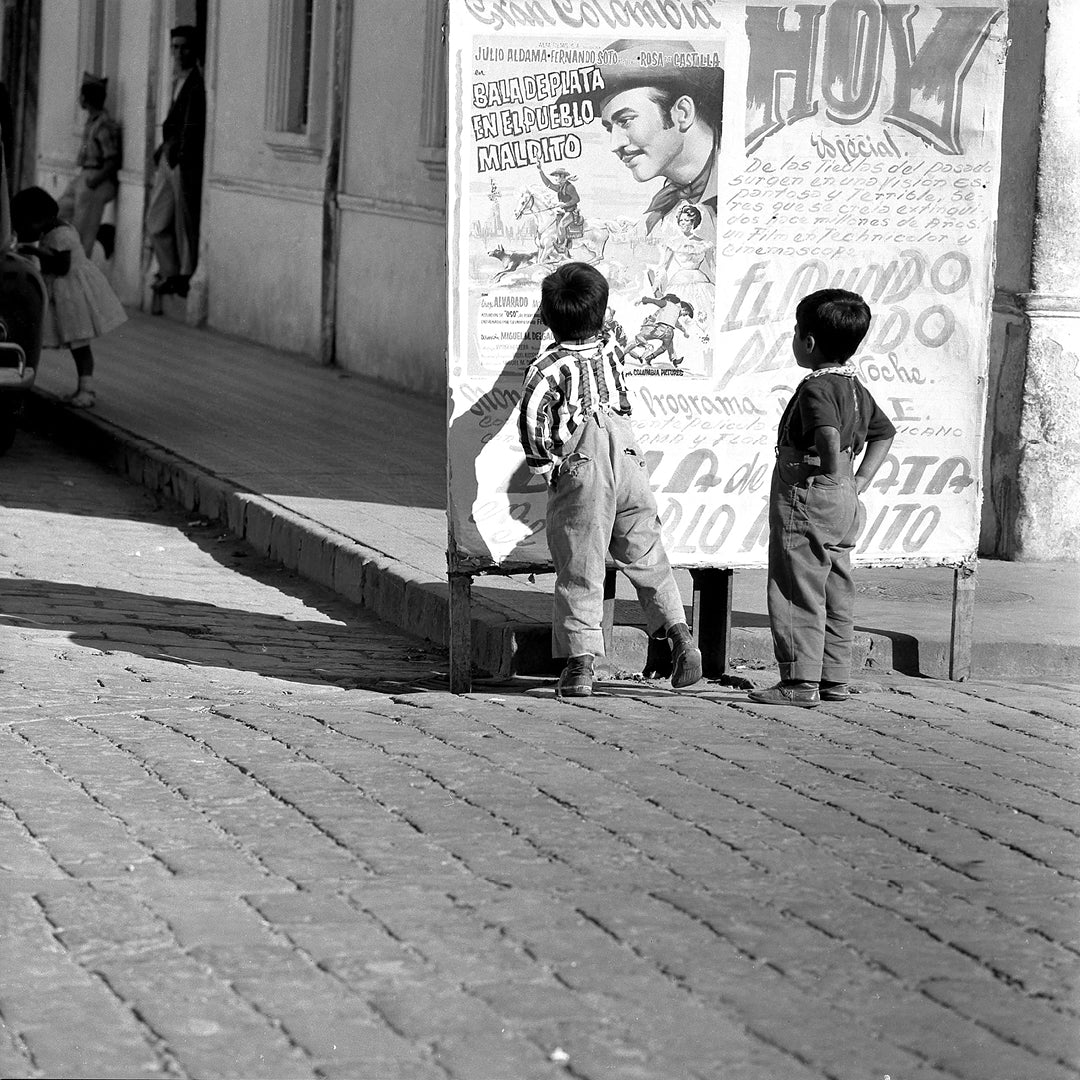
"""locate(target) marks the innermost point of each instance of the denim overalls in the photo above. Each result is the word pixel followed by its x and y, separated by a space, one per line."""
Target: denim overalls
pixel 814 521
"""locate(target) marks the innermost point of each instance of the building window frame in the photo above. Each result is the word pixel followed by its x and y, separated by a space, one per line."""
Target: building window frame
pixel 433 104
pixel 297 77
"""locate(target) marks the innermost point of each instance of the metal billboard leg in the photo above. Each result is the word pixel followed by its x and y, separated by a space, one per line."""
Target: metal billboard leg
pixel 712 618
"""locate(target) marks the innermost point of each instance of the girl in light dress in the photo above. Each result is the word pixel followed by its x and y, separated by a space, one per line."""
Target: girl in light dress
pixel 687 267
pixel 82 305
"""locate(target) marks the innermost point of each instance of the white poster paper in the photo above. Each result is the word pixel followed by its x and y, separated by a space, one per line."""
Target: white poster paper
pixel 718 160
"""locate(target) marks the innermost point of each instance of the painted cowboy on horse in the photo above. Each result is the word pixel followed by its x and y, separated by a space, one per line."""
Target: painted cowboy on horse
pixel 569 224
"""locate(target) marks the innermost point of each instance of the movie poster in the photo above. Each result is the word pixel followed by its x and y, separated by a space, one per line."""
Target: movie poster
pixel 717 161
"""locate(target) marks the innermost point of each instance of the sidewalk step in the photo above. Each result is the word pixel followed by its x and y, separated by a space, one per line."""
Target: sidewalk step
pixel 510 628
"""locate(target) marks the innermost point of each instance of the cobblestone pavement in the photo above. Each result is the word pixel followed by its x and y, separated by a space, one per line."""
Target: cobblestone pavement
pixel 245 832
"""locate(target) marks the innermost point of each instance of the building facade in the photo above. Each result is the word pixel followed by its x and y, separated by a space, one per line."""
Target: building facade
pixel 323 203
pixel 322 210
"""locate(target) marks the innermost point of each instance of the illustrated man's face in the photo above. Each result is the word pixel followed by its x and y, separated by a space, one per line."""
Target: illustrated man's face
pixel 643 136
pixel 183 53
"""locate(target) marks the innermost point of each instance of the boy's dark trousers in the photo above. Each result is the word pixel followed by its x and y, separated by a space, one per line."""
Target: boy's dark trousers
pixel 601 504
pixel 814 521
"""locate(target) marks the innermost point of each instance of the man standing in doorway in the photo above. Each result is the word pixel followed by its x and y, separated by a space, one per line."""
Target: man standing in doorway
pixel 172 219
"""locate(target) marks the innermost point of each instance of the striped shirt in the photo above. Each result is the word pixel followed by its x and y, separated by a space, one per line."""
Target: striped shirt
pixel 564 388
pixel 100 142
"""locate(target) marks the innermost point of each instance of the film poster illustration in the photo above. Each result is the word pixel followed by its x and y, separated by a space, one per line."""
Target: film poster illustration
pixel 716 161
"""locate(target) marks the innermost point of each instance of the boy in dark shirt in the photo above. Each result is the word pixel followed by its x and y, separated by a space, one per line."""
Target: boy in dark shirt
pixel 814 511
pixel 574 426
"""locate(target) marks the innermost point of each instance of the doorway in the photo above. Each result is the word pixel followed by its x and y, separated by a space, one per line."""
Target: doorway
pixel 175 162
pixel 21 49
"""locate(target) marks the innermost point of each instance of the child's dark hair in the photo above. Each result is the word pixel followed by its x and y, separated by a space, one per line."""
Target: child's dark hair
pixel 573 301
pixel 838 319
pixel 189 33
pixel 32 204
pixel 691 212
pixel 93 94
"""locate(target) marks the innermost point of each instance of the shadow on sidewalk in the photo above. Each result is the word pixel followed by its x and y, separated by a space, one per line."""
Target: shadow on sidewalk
pixel 267 421
pixel 360 653
pixel 904 647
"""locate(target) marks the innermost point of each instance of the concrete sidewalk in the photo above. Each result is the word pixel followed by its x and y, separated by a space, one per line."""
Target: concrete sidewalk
pixel 344 480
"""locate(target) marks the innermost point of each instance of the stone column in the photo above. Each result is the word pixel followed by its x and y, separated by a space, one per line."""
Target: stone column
pixel 1021 117
pixel 1048 478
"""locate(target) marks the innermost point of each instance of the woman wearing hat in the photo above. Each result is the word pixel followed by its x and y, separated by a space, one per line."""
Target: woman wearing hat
pixel 94 186
pixel 567 217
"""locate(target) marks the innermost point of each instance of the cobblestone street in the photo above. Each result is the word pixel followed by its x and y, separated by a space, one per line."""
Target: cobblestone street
pixel 246 832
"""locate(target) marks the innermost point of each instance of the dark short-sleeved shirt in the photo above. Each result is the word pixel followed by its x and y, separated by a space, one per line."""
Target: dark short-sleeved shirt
pixel 838 401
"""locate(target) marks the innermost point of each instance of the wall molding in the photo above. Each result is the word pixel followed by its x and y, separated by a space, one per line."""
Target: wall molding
pixel 1008 303
pixel 293 147
pixel 1050 306
pixel 1036 305
pixel 265 189
pixel 66 167
pixel 363 204
pixel 354 204
pixel 63 165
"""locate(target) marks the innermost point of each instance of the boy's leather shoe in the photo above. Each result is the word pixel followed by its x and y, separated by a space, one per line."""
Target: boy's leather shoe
pixel 807 698
pixel 577 678
pixel 834 691
pixel 685 656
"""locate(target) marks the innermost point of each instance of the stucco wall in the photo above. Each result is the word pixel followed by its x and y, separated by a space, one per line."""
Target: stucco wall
pixel 262 224
pixel 58 82
pixel 262 265
pixel 240 70
pixel 262 229
pixel 59 132
pixel 130 205
pixel 392 307
pixel 1048 524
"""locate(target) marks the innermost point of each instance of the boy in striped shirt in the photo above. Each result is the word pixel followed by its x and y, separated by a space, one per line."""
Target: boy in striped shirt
pixel 574 425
